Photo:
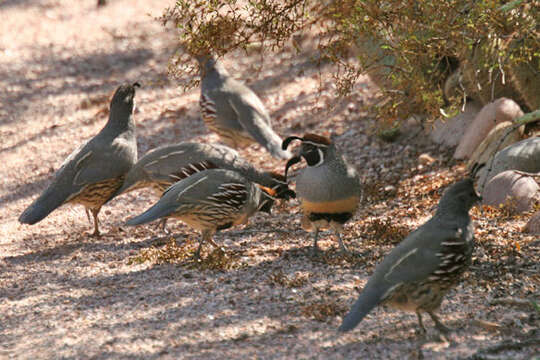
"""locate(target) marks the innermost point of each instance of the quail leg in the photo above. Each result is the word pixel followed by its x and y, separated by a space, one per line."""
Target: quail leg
pixel 316 249
pixel 197 254
pixel 88 215
pixel 205 236
pixel 162 225
pixel 420 323
pixel 211 241
pixel 95 213
pixel 342 246
pixel 438 324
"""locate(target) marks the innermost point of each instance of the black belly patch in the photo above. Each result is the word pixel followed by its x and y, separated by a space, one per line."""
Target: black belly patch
pixel 340 218
pixel 225 226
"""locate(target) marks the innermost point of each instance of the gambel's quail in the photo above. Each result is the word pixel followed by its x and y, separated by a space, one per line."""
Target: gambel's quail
pixel 234 111
pixel 328 188
pixel 162 167
pixel 93 172
pixel 416 274
pixel 209 201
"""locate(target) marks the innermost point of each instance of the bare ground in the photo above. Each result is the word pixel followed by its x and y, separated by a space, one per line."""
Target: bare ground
pixel 131 293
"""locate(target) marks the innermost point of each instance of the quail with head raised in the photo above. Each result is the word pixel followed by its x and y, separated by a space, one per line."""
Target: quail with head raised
pixel 328 188
pixel 233 111
pixel 209 201
pixel 96 170
pixel 416 274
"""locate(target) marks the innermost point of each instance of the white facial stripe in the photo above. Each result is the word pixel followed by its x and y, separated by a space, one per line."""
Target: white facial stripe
pixel 315 144
pixel 321 158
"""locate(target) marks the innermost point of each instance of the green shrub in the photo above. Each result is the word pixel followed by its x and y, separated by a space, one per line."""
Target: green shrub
pixel 414 50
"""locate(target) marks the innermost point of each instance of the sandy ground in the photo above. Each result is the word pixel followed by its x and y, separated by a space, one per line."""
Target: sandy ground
pixel 131 294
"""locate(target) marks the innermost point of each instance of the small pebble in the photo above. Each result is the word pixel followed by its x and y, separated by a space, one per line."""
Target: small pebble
pixel 425 159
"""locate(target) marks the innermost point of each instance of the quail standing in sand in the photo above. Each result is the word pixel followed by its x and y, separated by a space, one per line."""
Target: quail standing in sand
pixel 234 111
pixel 209 201
pixel 416 274
pixel 328 188
pixel 163 166
pixel 96 170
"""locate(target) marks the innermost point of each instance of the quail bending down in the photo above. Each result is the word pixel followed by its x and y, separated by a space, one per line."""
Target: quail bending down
pixel 418 272
pixel 328 188
pixel 209 201
pixel 162 167
pixel 96 170
pixel 234 111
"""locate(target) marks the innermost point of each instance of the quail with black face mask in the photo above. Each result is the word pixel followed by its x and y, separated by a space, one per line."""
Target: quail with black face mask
pixel 328 188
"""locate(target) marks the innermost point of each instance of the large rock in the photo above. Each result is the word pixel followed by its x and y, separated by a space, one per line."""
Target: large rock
pixel 499 111
pixel 523 156
pixel 533 225
pixel 494 142
pixel 448 132
pixel 516 190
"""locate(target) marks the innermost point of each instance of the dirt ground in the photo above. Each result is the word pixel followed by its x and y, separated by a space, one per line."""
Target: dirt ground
pixel 132 294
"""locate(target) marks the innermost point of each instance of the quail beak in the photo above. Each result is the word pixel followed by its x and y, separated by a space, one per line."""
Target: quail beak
pixel 291 162
pixel 287 195
pixel 478 198
pixel 267 207
pixel 478 203
pixel 282 191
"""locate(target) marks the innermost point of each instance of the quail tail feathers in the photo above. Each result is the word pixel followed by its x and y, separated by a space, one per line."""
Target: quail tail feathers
pixel 52 198
pixel 154 213
pixel 365 303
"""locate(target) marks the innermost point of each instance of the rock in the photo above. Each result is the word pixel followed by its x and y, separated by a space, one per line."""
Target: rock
pixel 426 159
pixel 523 156
pixel 412 126
pixel 390 190
pixel 516 190
pixel 533 225
pixel 507 110
pixel 494 113
pixel 448 132
pixel 491 143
